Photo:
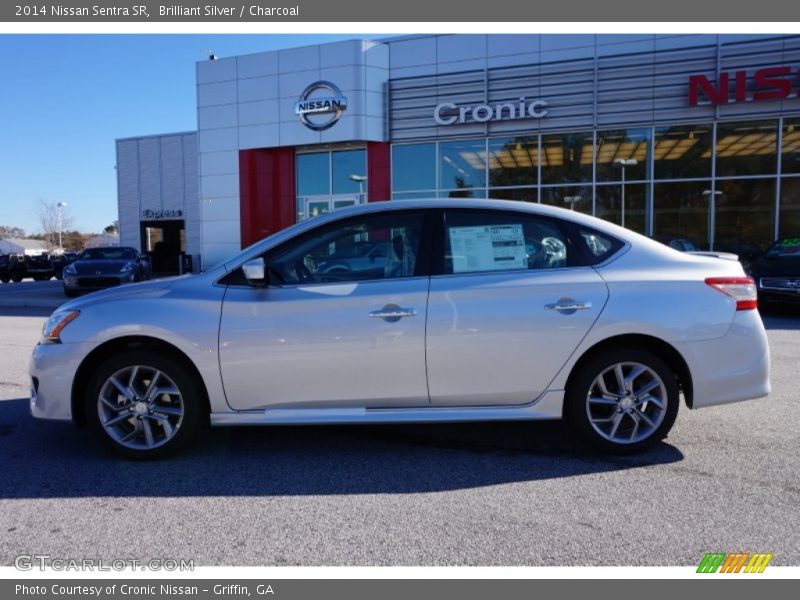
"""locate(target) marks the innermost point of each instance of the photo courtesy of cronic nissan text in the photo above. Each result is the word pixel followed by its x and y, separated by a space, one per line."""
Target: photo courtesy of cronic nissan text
pixel 293 305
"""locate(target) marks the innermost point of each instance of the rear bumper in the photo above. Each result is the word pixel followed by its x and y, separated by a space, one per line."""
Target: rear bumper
pixel 779 297
pixel 732 368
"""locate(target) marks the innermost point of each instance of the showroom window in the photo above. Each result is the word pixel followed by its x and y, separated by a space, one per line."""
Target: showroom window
pixel 677 180
pixel 513 161
pixel 745 216
pixel 567 157
pixel 790 147
pixel 681 211
pixel 462 167
pixel 790 207
pixel 623 152
pixel 573 197
pixel 682 151
pixel 414 167
pixel 749 148
pixel 628 209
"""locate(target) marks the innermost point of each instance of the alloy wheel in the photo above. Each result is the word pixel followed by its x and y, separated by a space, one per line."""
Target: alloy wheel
pixel 626 403
pixel 140 407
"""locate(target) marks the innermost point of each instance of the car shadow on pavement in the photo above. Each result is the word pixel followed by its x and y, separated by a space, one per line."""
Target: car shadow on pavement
pixel 44 459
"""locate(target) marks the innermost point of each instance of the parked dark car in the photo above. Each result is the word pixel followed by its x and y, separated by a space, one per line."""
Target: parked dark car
pixel 39 267
pixel 777 273
pixel 15 268
pixel 99 268
pixel 5 274
pixel 60 261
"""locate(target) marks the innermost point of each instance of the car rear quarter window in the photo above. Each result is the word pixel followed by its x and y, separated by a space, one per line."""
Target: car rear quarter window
pixel 597 247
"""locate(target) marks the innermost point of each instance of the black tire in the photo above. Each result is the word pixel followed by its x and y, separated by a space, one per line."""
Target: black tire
pixel 70 293
pixel 581 385
pixel 195 407
pixel 16 278
pixel 5 279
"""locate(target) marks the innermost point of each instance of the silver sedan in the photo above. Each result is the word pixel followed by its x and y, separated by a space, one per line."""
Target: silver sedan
pixel 479 310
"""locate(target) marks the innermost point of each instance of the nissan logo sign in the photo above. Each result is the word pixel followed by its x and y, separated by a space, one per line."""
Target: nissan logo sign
pixel 320 106
pixel 448 113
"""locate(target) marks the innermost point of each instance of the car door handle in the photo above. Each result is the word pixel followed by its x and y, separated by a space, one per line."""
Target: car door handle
pixel 570 306
pixel 392 313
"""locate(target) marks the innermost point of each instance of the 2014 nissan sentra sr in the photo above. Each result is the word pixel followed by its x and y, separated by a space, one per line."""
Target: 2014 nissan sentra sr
pixel 476 310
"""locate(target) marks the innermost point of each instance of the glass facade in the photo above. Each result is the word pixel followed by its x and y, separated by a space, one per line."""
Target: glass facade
pixel 730 185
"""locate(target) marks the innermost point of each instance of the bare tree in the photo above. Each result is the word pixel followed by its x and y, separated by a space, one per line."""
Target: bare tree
pixel 47 216
pixel 7 231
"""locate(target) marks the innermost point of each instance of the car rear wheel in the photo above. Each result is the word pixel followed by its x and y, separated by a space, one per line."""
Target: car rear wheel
pixel 623 401
pixel 16 278
pixel 144 405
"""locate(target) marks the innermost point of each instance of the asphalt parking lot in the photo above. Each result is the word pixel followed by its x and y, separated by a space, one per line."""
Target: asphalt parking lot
pixel 479 494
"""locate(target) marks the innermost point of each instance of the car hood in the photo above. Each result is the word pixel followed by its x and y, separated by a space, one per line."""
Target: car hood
pixel 156 288
pixel 776 267
pixel 101 267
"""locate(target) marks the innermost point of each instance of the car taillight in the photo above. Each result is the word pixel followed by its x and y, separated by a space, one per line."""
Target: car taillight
pixel 741 289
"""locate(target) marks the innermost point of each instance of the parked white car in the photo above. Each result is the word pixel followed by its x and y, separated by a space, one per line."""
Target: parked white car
pixel 480 310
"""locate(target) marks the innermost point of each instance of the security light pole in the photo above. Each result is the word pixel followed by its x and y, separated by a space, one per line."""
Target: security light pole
pixel 360 179
pixel 622 163
pixel 59 206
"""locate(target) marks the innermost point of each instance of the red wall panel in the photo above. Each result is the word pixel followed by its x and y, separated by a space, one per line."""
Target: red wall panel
pixel 379 185
pixel 266 192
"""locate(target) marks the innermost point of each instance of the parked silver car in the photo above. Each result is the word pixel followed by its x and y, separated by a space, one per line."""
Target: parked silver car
pixel 480 310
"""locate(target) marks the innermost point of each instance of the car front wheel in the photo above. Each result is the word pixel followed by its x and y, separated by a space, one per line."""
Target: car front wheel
pixel 145 405
pixel 623 401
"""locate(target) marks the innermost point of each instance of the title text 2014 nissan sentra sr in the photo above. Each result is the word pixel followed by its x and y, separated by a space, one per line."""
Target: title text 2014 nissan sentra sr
pixel 476 310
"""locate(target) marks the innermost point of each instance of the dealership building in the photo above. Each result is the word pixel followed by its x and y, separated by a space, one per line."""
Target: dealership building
pixel 676 136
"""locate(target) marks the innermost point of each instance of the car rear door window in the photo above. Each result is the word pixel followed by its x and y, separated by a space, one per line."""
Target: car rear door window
pixel 491 241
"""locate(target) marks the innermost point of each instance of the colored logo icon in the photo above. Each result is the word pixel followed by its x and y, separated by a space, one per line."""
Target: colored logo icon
pixel 736 562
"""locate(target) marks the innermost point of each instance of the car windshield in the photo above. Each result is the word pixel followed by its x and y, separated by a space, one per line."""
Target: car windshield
pixel 108 254
pixel 785 247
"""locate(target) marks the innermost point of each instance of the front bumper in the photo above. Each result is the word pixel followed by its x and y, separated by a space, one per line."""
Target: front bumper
pixel 89 283
pixel 731 368
pixel 52 370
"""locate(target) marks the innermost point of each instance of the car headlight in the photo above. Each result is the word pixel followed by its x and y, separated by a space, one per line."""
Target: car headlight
pixel 70 270
pixel 127 268
pixel 55 325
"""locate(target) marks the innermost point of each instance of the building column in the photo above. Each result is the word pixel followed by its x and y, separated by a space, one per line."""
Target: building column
pixel 267 195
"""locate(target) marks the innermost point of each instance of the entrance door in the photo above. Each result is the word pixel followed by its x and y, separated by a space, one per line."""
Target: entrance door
pixel 163 242
pixel 318 205
pixel 330 179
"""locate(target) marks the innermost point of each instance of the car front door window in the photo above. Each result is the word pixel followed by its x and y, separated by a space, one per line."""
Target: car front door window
pixel 372 248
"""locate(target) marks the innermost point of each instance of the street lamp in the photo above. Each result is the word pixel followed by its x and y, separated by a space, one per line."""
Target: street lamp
pixel 711 196
pixel 622 163
pixel 360 179
pixel 59 206
pixel 572 200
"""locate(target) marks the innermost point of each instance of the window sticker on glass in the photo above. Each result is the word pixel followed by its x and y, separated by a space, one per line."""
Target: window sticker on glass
pixel 488 248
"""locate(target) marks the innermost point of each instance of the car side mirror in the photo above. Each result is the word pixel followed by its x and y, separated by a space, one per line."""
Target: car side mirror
pixel 255 271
